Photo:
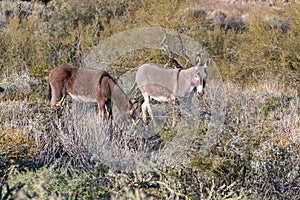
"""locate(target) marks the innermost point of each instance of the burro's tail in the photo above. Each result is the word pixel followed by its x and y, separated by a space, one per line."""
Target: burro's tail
pixel 49 91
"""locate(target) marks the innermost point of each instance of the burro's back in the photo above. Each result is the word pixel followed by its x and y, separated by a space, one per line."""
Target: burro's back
pixel 156 81
pixel 86 83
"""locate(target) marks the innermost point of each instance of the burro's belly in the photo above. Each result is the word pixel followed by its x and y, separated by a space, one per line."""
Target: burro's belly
pixel 158 92
pixel 83 98
pixel 162 98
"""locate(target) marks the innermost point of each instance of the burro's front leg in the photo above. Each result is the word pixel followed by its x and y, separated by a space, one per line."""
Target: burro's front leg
pixel 144 112
pixel 102 110
pixel 146 109
pixel 176 113
pixel 61 102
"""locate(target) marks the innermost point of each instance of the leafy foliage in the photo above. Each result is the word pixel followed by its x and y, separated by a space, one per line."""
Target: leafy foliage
pixel 256 157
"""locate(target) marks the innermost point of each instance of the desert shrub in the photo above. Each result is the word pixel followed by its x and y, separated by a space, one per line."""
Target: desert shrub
pixel 257 155
pixel 166 14
pixel 64 37
pixel 68 36
pixel 61 139
pixel 16 151
pixel 132 60
pixel 260 53
pixel 50 183
pixel 22 119
pixel 257 49
pixel 65 183
pixel 16 140
pixel 275 170
pixel 251 153
pixel 34 42
pixel 17 145
pixel 252 149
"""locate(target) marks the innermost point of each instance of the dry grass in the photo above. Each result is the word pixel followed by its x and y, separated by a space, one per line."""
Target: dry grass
pixel 239 7
pixel 261 131
pixel 256 156
pixel 276 103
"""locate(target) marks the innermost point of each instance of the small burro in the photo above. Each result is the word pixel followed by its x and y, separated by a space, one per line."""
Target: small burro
pixel 166 85
pixel 89 85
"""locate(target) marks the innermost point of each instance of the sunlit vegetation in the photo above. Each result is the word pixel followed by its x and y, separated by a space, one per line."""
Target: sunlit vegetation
pixel 42 153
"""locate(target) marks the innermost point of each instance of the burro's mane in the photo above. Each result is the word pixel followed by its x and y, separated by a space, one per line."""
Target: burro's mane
pixel 118 96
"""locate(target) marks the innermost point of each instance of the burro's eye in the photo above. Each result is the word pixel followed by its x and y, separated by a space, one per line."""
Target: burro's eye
pixel 196 77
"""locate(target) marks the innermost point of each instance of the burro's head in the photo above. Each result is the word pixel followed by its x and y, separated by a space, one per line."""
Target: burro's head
pixel 135 108
pixel 200 74
pixel 130 111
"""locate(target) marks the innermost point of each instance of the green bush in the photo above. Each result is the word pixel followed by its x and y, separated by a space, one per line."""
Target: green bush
pixel 265 52
pixel 48 183
pixel 257 156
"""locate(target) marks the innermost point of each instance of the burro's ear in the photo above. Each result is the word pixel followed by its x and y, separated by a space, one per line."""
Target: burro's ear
pixel 135 107
pixel 134 101
pixel 198 60
pixel 207 62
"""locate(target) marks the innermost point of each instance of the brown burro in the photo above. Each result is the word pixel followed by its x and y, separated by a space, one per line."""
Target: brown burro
pixel 89 85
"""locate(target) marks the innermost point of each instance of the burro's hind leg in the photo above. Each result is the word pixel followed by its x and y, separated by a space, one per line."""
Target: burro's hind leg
pixel 144 113
pixel 108 109
pixel 103 94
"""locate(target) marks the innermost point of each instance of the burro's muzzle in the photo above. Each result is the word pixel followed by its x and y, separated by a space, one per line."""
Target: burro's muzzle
pixel 200 90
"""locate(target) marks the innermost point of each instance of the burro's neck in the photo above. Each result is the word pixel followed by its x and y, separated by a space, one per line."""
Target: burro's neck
pixel 184 82
pixel 119 98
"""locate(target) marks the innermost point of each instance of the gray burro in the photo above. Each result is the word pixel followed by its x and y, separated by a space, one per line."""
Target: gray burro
pixel 166 85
